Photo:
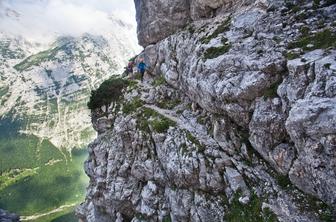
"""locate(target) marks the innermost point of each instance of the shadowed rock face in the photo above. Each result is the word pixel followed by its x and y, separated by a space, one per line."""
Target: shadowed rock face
pixel 201 9
pixel 250 120
pixel 157 19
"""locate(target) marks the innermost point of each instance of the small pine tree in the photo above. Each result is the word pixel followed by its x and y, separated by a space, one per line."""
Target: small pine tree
pixel 108 93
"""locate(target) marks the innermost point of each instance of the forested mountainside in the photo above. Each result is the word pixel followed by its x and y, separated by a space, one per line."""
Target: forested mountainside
pixel 235 121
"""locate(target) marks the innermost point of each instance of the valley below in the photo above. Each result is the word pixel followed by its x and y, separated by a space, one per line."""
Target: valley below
pixel 37 177
pixel 45 125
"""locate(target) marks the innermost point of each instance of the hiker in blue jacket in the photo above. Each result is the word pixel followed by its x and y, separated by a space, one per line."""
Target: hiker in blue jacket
pixel 142 68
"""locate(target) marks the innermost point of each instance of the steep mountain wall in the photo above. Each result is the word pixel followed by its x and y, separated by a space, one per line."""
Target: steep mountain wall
pixel 159 19
pixel 236 120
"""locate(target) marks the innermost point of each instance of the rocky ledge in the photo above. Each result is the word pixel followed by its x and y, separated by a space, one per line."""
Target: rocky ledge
pixel 236 119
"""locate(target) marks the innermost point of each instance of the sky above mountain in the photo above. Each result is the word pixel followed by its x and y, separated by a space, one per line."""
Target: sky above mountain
pixel 39 19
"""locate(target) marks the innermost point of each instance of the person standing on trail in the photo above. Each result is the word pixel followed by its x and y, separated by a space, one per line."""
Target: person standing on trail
pixel 142 68
pixel 129 68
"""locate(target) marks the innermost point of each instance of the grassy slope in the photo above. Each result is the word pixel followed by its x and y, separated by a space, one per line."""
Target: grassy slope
pixel 65 216
pixel 52 187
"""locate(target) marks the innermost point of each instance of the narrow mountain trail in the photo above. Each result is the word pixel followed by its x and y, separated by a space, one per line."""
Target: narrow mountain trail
pixel 167 113
pixel 189 124
pixel 197 130
pixel 57 210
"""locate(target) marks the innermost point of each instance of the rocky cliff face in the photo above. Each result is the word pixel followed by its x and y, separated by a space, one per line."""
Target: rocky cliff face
pixel 159 19
pixel 236 121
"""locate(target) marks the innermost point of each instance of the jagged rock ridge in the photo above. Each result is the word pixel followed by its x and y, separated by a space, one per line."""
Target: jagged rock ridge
pixel 238 114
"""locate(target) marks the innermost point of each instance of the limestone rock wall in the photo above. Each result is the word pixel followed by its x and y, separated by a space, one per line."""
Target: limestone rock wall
pixel 157 19
pixel 237 112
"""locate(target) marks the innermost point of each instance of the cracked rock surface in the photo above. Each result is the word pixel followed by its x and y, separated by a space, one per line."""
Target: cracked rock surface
pixel 237 117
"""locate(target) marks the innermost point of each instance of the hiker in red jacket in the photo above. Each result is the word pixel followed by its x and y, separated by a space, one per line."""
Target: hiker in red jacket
pixel 129 68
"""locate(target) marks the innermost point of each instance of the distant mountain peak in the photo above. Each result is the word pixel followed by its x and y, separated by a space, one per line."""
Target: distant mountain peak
pixel 120 22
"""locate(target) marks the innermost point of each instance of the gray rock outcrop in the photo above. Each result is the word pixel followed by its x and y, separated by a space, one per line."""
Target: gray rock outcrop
pixel 238 112
pixel 159 19
pixel 8 217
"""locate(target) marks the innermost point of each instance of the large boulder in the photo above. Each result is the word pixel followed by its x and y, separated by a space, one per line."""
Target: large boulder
pixel 209 8
pixel 268 134
pixel 312 126
pixel 158 19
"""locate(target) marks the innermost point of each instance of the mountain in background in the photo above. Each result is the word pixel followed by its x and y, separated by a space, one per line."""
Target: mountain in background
pixel 48 86
pixel 44 89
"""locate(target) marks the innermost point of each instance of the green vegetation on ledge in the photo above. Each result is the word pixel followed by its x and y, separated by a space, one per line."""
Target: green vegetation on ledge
pixel 3 91
pixel 214 52
pixel 271 92
pixel 161 125
pixel 224 27
pixel 320 40
pixel 159 81
pixel 251 212
pixel 132 106
pixel 283 181
pixel 167 218
pixel 148 117
pixel 169 103
pixel 292 55
pixel 192 139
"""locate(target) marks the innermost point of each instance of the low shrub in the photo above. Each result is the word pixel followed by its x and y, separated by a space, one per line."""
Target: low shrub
pixel 224 27
pixel 169 103
pixel 320 40
pixel 148 117
pixel 271 92
pixel 251 212
pixel 161 125
pixel 132 106
pixel 159 81
pixel 292 55
pixel 214 52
